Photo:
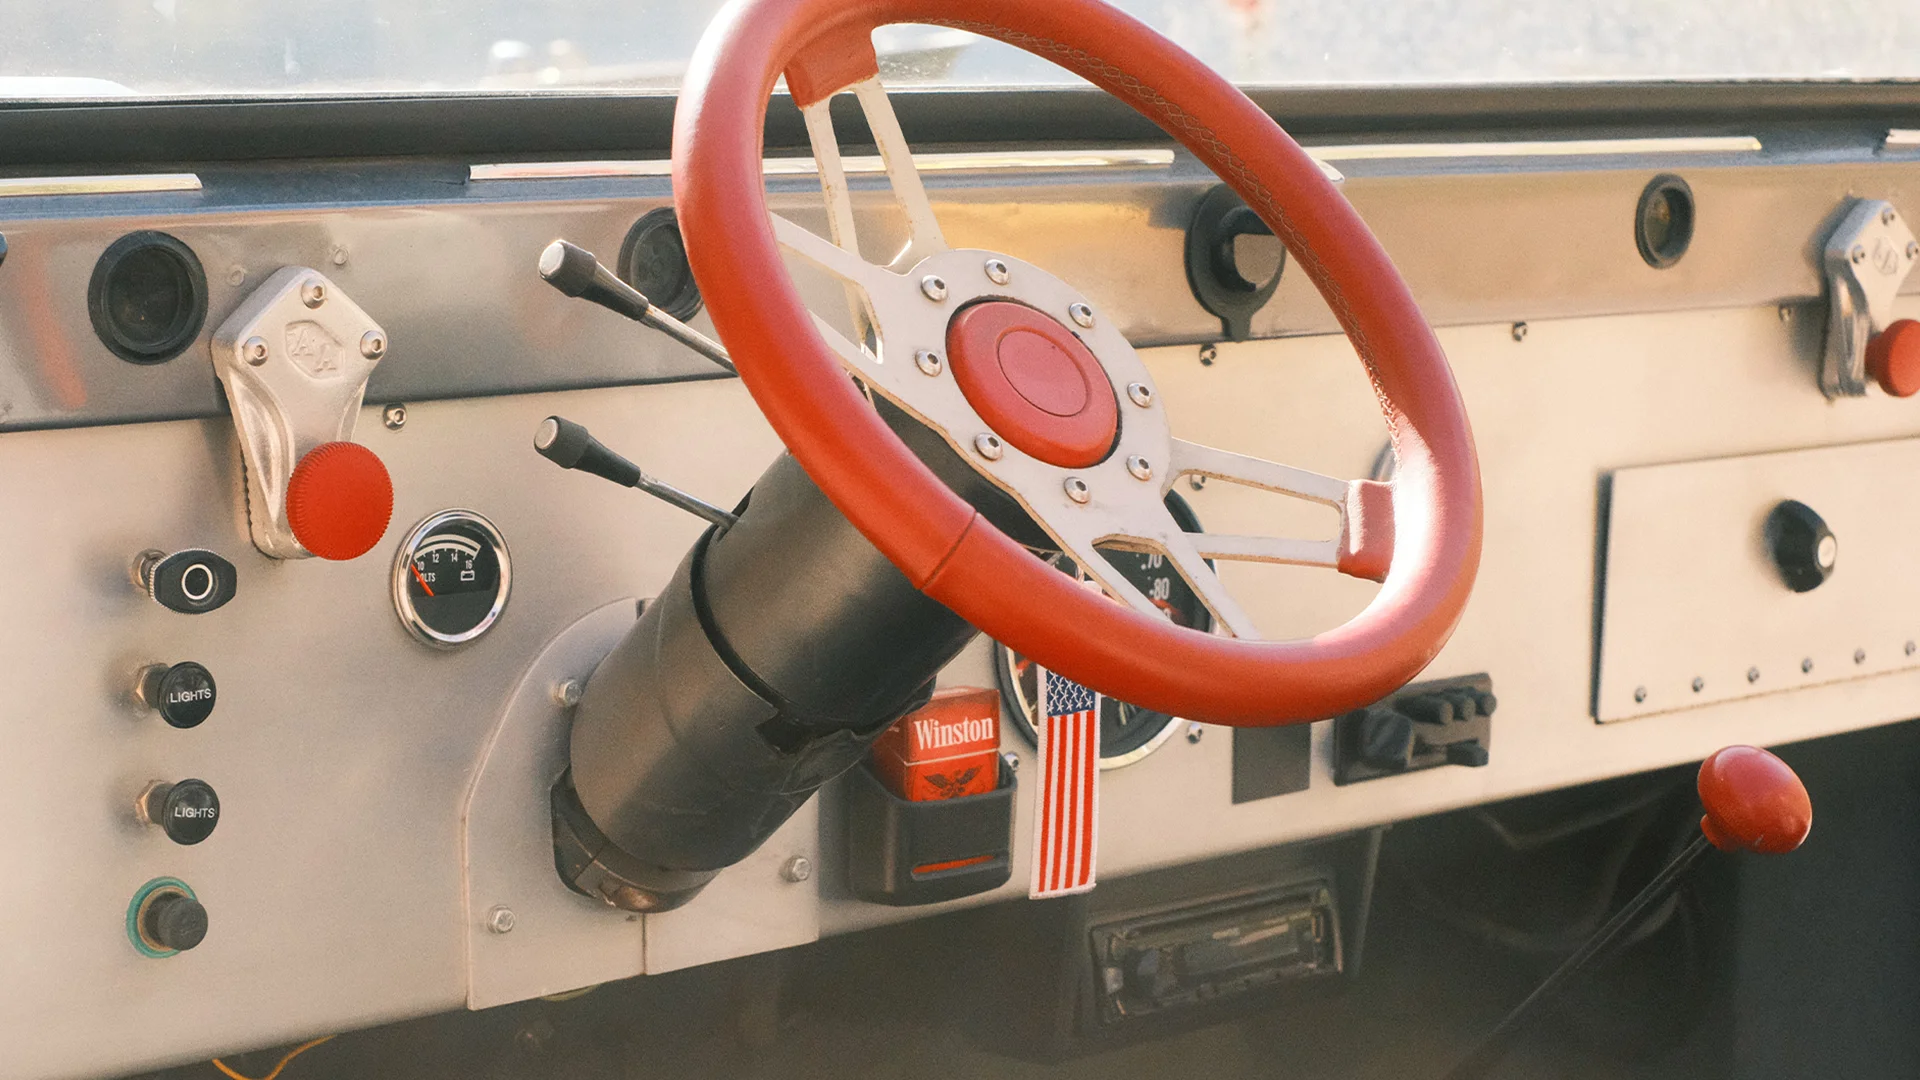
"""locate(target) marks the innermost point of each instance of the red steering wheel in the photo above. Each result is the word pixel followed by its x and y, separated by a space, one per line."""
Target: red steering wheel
pixel 1038 391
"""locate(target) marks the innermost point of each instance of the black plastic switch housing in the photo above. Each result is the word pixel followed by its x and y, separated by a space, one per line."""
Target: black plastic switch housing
pixel 1424 726
pixel 192 582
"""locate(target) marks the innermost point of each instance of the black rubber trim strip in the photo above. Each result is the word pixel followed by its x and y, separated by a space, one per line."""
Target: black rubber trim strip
pixel 497 127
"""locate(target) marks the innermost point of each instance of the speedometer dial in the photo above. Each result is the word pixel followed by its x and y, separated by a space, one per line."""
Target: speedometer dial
pixel 1127 732
pixel 451 578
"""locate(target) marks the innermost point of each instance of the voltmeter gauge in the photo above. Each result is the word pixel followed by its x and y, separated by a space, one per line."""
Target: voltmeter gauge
pixel 451 577
pixel 1127 732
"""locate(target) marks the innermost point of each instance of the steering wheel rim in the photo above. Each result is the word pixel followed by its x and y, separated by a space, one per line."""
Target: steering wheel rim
pixel 941 543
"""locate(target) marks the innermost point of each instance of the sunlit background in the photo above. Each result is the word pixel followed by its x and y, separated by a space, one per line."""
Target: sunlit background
pixel 53 48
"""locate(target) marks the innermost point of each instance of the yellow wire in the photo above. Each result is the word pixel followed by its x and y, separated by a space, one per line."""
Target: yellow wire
pixel 291 1054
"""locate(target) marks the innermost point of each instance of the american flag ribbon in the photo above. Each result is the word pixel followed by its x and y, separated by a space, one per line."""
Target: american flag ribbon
pixel 1066 831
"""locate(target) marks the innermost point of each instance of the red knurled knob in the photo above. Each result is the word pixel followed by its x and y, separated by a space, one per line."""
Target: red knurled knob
pixel 1754 802
pixel 339 500
pixel 1893 358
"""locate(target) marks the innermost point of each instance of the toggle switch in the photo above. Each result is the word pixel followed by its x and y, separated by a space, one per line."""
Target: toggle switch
pixel 192 582
pixel 186 811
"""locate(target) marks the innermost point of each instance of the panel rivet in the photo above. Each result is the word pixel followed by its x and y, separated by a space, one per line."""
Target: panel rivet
pixel 255 350
pixel 1140 394
pixel 1140 468
pixel 394 416
pixel 1639 694
pixel 566 693
pixel 313 294
pixel 1519 331
pixel 1913 249
pixel 1077 489
pixel 500 920
pixel 997 272
pixel 934 287
pixel 1699 684
pixel 1806 666
pixel 1753 674
pixel 987 445
pixel 1911 647
pixel 1081 314
pixel 1886 215
pixel 1859 656
pixel 928 362
pixel 1858 254
pixel 797 869
pixel 373 344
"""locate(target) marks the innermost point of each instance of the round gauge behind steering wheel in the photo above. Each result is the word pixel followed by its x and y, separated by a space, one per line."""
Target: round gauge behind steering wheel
pixel 1128 733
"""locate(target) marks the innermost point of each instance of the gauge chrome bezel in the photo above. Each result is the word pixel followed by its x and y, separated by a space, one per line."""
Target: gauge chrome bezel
pixel 403 561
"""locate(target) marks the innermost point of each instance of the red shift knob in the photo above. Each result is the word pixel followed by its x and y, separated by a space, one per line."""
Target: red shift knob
pixel 1893 358
pixel 339 500
pixel 1754 802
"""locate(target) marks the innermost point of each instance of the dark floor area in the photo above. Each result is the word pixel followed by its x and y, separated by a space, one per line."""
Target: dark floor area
pixel 1800 966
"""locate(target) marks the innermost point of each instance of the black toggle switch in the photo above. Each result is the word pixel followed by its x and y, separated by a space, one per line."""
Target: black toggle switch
pixel 186 811
pixel 1424 726
pixel 171 921
pixel 183 694
pixel 1804 549
pixel 193 582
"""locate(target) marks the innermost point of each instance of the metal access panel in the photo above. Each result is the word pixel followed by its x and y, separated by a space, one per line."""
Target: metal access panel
pixel 1694 610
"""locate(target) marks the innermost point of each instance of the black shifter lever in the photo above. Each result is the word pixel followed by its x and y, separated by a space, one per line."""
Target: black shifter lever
pixel 572 446
pixel 575 271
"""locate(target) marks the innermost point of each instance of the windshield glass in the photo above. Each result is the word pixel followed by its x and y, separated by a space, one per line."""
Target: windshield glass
pixel 61 48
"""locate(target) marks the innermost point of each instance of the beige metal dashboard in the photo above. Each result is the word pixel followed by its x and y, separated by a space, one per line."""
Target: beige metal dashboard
pixel 375 792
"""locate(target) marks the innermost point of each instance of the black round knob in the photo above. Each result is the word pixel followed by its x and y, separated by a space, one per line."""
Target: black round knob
pixel 1386 740
pixel 183 694
pixel 1803 548
pixel 170 919
pixel 186 811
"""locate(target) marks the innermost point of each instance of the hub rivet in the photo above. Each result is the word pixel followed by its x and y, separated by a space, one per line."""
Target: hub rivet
pixel 997 272
pixel 313 294
pixel 1077 490
pixel 987 445
pixel 1195 733
pixel 928 362
pixel 1082 314
pixel 1140 468
pixel 934 287
pixel 1140 394
pixel 255 350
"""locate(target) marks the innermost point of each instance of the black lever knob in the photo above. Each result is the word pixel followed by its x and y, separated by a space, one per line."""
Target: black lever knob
pixel 171 921
pixel 192 582
pixel 576 272
pixel 571 446
pixel 183 694
pixel 186 811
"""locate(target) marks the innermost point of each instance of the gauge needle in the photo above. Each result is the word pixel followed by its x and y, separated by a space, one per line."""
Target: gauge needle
pixel 421 580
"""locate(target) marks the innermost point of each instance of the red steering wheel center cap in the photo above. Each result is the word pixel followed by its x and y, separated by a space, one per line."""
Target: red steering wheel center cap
pixel 1035 384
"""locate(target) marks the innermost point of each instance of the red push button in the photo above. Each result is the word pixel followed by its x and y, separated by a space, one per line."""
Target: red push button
pixel 1893 358
pixel 1034 383
pixel 339 500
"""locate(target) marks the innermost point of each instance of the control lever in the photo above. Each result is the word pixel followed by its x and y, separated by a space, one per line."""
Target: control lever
pixel 571 446
pixel 575 271
pixel 1753 802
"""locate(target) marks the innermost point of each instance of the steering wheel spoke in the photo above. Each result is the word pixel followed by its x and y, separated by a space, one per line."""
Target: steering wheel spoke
pixel 1194 459
pixel 924 237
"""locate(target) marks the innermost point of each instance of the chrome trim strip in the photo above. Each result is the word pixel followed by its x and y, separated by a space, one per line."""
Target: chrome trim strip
pixel 1717 144
pixel 132 183
pixel 804 166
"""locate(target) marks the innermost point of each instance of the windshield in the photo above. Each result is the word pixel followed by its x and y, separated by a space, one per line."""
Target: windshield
pixel 61 48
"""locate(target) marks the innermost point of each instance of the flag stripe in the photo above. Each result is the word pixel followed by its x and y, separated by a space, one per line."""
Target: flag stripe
pixel 1066 832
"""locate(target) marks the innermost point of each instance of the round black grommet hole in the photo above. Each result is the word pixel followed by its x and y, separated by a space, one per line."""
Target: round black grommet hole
pixel 148 297
pixel 653 259
pixel 1663 223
